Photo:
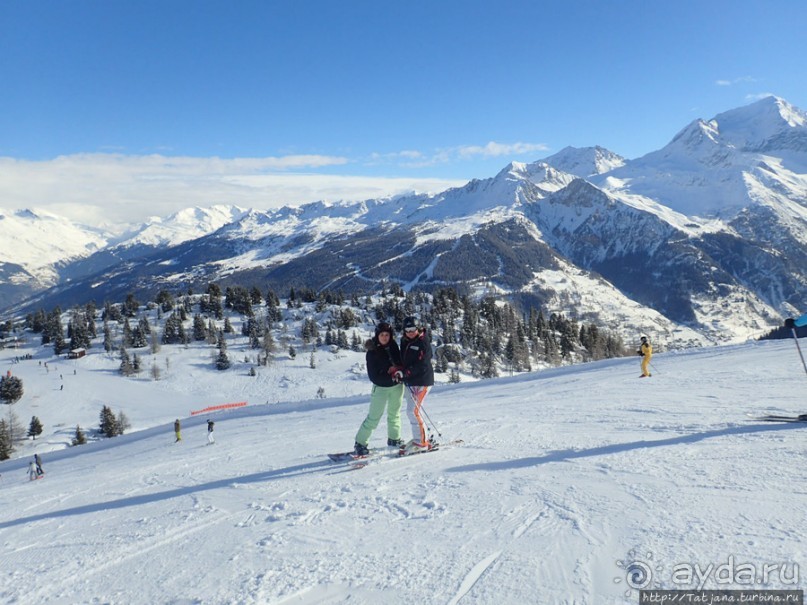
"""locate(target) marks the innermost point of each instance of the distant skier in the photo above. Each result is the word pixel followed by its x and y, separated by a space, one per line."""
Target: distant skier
pixel 646 351
pixel 210 438
pixel 418 376
pixel 32 476
pixel 38 461
pixel 177 429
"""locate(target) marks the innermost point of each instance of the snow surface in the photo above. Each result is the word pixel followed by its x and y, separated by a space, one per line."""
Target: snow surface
pixel 563 479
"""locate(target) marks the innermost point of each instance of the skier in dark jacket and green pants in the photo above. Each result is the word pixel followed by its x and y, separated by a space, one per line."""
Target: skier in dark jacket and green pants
pixel 383 359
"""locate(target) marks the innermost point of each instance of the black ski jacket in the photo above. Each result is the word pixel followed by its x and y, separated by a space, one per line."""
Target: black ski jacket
pixel 380 360
pixel 416 354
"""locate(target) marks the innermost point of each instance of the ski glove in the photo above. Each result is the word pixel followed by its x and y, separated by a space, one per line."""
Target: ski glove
pixel 394 370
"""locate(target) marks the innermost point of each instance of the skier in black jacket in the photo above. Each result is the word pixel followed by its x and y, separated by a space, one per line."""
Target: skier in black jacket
pixel 382 355
pixel 418 376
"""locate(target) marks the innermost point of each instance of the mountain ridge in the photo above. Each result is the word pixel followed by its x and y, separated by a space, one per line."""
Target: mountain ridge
pixel 701 225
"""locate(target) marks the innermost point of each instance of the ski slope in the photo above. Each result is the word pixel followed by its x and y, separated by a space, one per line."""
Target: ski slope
pixel 565 478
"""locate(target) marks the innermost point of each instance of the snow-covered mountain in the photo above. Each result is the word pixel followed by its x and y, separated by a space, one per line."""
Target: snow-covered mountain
pixel 707 234
pixel 187 224
pixel 719 167
pixel 35 245
pixel 585 162
pixel 39 250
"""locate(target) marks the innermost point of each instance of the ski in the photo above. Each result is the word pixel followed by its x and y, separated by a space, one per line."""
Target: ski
pixel 435 446
pixel 361 463
pixel 356 462
pixel 778 418
pixel 351 455
pixel 345 456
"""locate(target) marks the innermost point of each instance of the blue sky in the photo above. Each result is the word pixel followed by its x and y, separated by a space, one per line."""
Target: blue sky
pixel 261 103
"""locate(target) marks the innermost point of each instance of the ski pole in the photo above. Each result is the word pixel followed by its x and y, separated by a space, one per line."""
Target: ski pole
pixel 652 366
pixel 798 346
pixel 434 426
pixel 423 409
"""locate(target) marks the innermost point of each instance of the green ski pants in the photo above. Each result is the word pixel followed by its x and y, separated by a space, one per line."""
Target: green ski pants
pixel 380 398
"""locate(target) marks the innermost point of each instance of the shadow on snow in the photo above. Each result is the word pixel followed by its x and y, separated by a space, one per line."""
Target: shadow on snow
pixel 282 473
pixel 616 448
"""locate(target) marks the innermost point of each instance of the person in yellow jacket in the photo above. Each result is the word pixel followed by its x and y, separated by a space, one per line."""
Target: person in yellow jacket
pixel 646 351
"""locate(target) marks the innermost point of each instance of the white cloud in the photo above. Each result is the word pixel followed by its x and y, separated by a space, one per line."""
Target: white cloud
pixel 493 149
pixel 740 80
pixel 95 188
pixel 114 188
pixel 417 159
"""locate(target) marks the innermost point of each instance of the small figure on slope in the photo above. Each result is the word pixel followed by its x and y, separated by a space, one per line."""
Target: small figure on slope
pixel 646 351
pixel 177 430
pixel 38 461
pixel 210 439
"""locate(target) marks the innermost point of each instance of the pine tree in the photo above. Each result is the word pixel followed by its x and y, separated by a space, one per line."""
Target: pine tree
pixel 199 328
pixel 356 343
pixel 488 367
pixel 131 305
pixel 126 367
pixel 165 300
pixel 109 344
pixel 6 446
pixel 222 360
pixel 35 428
pixel 228 327
pixel 127 333
pixel 268 347
pixel 79 438
pixel 59 343
pixel 11 388
pixel 109 424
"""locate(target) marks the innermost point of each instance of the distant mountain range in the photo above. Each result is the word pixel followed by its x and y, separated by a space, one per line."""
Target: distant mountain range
pixel 704 240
